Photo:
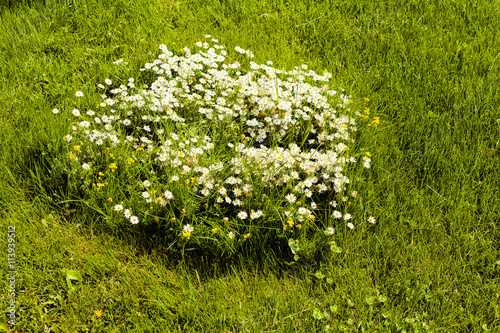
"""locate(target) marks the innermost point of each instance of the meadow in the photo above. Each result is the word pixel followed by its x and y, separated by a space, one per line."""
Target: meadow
pixel 391 223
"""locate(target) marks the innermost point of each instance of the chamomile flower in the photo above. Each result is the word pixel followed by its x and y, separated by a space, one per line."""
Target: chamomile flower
pixel 55 111
pixel 290 198
pixel 86 166
pixel 371 219
pixel 261 158
pixel 350 225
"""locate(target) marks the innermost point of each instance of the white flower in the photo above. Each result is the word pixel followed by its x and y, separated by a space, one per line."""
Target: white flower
pixel 79 94
pixel 255 215
pixel 146 183
pixel 145 195
pixel 118 207
pixel 347 217
pixel 76 112
pixel 188 228
pixel 230 235
pixel 85 166
pixel 134 219
pixel 330 231
pixel 350 225
pixel 108 82
pixel 127 213
pixel 168 195
pixel 291 198
pixel 371 219
pixel 302 211
pixel 337 214
pixel 242 215
pixel 55 111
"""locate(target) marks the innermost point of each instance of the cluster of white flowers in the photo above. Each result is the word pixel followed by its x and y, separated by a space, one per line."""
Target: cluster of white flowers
pixel 291 135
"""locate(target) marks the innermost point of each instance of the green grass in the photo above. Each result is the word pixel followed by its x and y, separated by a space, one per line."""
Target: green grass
pixel 431 71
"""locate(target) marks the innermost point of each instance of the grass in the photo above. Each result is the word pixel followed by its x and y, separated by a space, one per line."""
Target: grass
pixel 430 72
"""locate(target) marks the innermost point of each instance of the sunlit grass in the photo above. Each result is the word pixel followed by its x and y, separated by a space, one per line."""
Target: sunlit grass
pixel 424 73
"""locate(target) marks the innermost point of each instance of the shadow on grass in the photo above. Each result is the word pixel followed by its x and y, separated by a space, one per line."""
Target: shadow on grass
pixel 43 180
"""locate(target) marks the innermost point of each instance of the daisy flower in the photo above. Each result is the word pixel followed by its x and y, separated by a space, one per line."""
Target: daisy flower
pixel 242 215
pixel 108 82
pixel 188 228
pixel 146 183
pixel 55 111
pixel 350 225
pixel 85 166
pixel 134 219
pixel 371 219
pixel 127 213
pixel 230 235
pixel 76 112
pixel 291 198
pixel 118 208
pixel 347 217
pixel 330 231
pixel 79 94
pixel 254 215
pixel 337 214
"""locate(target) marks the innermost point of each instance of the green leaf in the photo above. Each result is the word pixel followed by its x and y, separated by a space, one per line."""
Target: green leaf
pixel 382 298
pixel 317 314
pixel 73 275
pixel 329 280
pixel 335 249
pixel 334 308
pixel 293 246
pixel 350 303
pixel 319 275
pixel 370 300
pixel 3 327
